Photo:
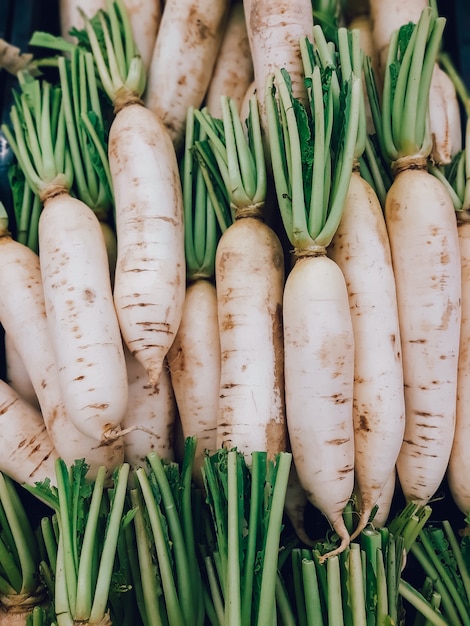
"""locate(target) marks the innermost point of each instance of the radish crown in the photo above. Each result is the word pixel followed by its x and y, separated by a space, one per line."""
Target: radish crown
pixel 401 116
pixel 201 232
pixel 313 151
pixel 110 39
pixel 235 156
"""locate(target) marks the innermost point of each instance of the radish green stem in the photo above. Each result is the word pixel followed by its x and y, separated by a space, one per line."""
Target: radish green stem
pixel 421 604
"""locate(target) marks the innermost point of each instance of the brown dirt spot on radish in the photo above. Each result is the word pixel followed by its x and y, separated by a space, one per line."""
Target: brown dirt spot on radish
pixel 276 437
pixel 339 441
pixel 89 295
pixel 227 323
pixel 199 31
pixel 81 377
pixel 364 424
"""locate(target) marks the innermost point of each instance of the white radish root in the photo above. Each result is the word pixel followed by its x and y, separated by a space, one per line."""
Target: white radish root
pixel 81 318
pixel 459 462
pixel 23 315
pixel 27 452
pixel 151 415
pixel 17 375
pixel 361 249
pixel 183 58
pixel 194 363
pixel 319 376
pixel 249 281
pixel 149 281
pixel 423 236
pixel 233 70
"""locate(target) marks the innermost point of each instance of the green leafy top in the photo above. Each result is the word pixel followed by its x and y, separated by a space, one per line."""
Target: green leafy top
pixel 401 116
pixel 313 150
pixel 108 36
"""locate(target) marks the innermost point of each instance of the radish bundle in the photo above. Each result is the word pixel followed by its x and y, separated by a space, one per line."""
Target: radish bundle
pixel 361 248
pixel 312 157
pixel 194 358
pixel 249 270
pixel 425 254
pixel 183 58
pixel 149 282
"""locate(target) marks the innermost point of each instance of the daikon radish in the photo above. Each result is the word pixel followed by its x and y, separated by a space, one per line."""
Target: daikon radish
pixel 23 315
pixel 387 18
pixel 459 465
pixel 233 70
pixel 362 251
pixel 458 183
pixel 144 16
pixel 149 281
pixel 16 374
pixel 361 248
pixel 81 318
pixel 318 332
pixel 149 423
pixel 194 358
pixel 249 272
pixel 424 244
pixel 27 452
pixel 183 58
pixel 274 30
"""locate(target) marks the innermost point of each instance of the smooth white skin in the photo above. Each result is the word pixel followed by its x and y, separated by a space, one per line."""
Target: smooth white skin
pixel 194 363
pixel 17 375
pixel 23 315
pixel 81 318
pixel 249 282
pixel 425 253
pixel 319 376
pixel 458 470
pixel 27 453
pixel 385 499
pixel 388 17
pixel 150 417
pixel 274 30
pixel 183 58
pixel 233 70
pixel 149 281
pixel 363 24
pixel 451 113
pixel 362 250
pixel 144 16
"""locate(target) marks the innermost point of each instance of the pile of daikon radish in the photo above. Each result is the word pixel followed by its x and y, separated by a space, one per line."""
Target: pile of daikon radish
pixel 359 372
